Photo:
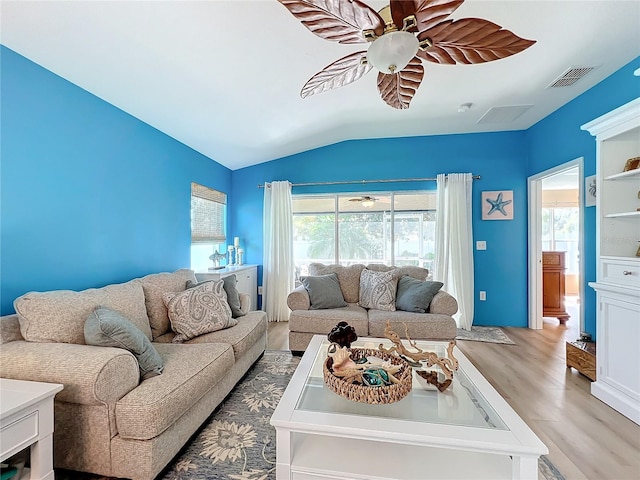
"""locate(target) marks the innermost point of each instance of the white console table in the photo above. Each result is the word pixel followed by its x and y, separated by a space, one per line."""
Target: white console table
pixel 247 276
pixel 26 419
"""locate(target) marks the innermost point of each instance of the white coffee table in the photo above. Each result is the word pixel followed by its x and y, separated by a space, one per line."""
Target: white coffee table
pixel 467 432
pixel 26 419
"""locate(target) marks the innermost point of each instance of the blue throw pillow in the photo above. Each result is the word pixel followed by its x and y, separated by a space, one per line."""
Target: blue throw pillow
pixel 108 328
pixel 324 291
pixel 415 295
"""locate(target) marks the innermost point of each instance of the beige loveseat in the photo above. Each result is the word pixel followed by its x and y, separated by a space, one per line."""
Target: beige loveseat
pixel 305 322
pixel 108 421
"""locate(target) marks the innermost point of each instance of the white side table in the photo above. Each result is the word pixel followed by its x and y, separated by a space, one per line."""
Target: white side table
pixel 26 419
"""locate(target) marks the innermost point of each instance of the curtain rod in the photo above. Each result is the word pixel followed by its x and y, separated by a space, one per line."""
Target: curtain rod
pixel 364 182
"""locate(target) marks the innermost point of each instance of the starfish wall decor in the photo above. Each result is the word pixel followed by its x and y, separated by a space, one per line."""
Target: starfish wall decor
pixel 402 35
pixel 497 205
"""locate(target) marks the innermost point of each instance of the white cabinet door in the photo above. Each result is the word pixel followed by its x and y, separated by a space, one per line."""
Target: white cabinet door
pixel 618 355
pixel 248 283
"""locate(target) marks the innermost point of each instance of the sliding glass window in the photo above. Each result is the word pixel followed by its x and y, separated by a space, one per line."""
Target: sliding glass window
pixel 391 228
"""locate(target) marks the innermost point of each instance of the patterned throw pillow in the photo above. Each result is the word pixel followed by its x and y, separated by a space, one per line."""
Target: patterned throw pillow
pixel 199 310
pixel 378 290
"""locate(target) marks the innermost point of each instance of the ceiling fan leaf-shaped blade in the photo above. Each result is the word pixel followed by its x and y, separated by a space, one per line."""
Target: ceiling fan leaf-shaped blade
pixel 471 40
pixel 401 9
pixel 340 73
pixel 336 20
pixel 431 12
pixel 398 89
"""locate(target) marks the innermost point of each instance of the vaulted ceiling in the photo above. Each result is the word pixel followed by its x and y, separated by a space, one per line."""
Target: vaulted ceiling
pixel 224 77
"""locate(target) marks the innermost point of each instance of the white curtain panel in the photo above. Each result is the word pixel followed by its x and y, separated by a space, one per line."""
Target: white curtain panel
pixel 278 267
pixel 454 243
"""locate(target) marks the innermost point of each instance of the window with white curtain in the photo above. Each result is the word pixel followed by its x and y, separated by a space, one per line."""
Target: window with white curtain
pixel 398 229
pixel 208 220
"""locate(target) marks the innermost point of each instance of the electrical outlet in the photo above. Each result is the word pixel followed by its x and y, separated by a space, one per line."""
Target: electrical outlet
pixel 260 290
pixel 483 295
pixel 481 245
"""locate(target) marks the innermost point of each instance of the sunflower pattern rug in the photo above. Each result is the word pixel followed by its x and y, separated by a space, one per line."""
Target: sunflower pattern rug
pixel 238 443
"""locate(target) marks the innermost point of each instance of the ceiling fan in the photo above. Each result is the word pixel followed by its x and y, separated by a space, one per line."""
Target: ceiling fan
pixel 366 201
pixel 402 34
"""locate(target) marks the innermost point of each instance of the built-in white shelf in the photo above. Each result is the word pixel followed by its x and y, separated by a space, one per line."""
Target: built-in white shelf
pixel 618 273
pixel 623 214
pixel 624 175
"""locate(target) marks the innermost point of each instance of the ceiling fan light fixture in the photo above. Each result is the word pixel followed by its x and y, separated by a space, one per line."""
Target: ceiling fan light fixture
pixel 368 202
pixel 391 52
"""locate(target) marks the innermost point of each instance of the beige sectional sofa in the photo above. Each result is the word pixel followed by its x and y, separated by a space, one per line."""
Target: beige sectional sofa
pixel 108 421
pixel 305 322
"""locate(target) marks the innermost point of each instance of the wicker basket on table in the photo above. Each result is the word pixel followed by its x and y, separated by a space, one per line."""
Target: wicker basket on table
pixel 374 395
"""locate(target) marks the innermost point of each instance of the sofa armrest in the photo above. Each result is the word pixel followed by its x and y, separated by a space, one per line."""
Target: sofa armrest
pixel 444 304
pixel 298 299
pixel 91 375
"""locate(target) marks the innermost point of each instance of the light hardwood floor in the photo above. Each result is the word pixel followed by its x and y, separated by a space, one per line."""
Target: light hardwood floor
pixel 586 438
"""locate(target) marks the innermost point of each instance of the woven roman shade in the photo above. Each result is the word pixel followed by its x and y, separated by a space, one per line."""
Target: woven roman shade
pixel 207 214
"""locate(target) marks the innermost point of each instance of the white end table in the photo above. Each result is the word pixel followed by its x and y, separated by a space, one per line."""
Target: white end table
pixel 26 419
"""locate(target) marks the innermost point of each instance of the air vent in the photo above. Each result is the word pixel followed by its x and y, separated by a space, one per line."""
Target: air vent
pixel 570 77
pixel 504 114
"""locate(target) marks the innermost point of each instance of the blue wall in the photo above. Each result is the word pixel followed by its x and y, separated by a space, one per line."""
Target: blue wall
pixel 558 139
pixel 499 158
pixel 89 194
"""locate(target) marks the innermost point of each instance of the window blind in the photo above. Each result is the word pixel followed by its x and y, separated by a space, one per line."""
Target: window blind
pixel 207 214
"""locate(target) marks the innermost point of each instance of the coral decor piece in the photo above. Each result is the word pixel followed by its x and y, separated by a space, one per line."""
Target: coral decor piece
pixel 437 40
pixel 416 356
pixel 343 334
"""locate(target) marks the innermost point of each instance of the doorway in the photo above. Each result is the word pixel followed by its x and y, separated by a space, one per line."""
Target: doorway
pixel 556 224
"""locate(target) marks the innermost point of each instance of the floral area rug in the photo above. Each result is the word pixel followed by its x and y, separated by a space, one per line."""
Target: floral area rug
pixel 484 334
pixel 237 442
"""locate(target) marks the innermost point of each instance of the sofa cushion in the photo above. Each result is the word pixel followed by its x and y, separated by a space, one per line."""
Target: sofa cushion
pixel 241 337
pixel 107 328
pixel 349 278
pixel 428 326
pixel 378 290
pixel 59 315
pixel 324 291
pixel 199 310
pixel 322 321
pixel 249 330
pixel 415 295
pixel 418 273
pixel 154 286
pixel 190 371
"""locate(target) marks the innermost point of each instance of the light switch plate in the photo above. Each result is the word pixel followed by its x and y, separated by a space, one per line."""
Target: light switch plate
pixel 481 245
pixel 483 295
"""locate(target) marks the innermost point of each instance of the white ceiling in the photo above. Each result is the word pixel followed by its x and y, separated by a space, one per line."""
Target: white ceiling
pixel 224 77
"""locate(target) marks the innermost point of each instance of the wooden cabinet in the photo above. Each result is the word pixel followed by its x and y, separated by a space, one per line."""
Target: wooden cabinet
pixel 582 357
pixel 618 269
pixel 553 267
pixel 247 276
